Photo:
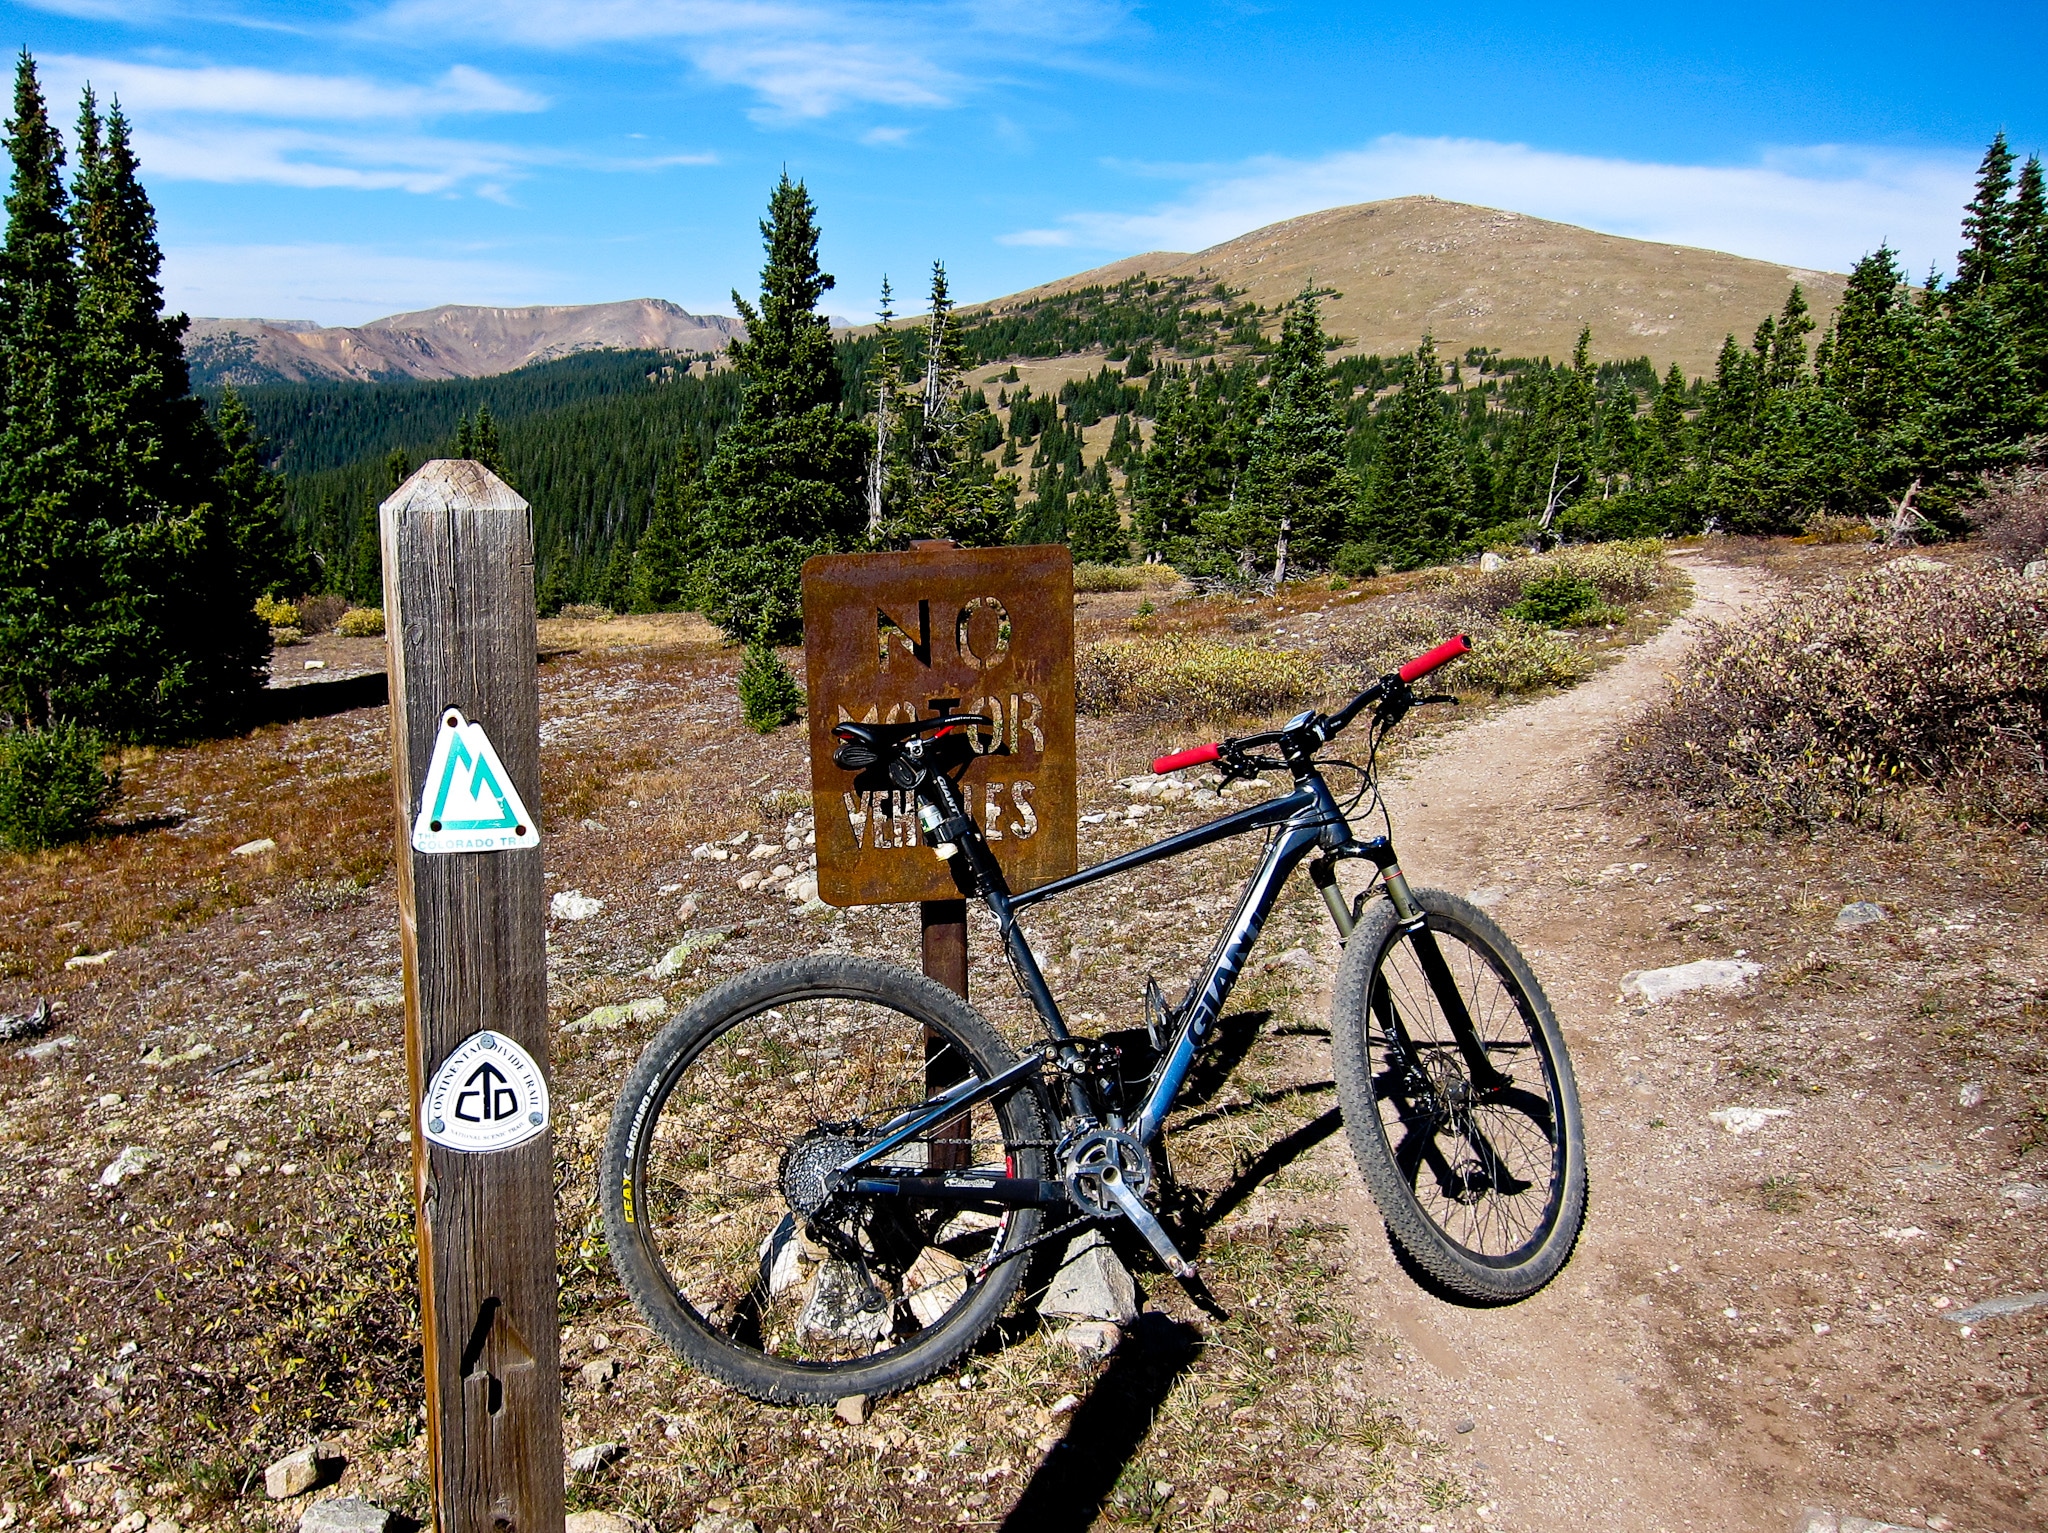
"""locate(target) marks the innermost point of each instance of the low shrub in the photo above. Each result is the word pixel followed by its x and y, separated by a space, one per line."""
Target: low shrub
pixel 1125 577
pixel 769 695
pixel 1519 657
pixel 586 612
pixel 278 614
pixel 2012 520
pixel 1555 599
pixel 361 623
pixel 1824 527
pixel 1833 705
pixel 319 614
pixel 1178 676
pixel 53 786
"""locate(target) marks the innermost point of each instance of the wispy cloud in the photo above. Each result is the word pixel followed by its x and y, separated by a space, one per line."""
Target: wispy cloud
pixel 243 92
pixel 337 284
pixel 232 125
pixel 802 59
pixel 1818 208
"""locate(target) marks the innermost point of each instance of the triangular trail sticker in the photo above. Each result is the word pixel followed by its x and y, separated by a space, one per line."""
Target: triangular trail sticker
pixel 468 802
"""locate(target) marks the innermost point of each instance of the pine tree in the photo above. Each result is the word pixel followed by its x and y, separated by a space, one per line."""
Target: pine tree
pixel 2026 279
pixel 786 479
pixel 1987 222
pixel 1095 530
pixel 672 545
pixel 1666 450
pixel 1418 502
pixel 1784 362
pixel 1297 491
pixel 52 657
pixel 887 372
pixel 254 504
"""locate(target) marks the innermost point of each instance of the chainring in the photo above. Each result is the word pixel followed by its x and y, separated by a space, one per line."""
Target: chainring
pixel 1088 1153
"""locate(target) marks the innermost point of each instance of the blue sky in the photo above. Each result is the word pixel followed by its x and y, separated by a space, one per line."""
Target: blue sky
pixel 338 161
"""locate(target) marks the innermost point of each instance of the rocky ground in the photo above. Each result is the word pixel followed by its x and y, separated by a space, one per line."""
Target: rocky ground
pixel 207 1247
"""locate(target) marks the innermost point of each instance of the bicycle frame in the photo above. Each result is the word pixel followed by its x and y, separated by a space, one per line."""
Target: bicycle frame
pixel 1306 819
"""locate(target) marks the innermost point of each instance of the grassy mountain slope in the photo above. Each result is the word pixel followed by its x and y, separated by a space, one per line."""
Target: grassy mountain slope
pixel 1477 276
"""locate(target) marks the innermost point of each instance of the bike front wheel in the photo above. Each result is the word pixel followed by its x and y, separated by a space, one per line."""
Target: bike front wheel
pixel 1482 1183
pixel 718 1207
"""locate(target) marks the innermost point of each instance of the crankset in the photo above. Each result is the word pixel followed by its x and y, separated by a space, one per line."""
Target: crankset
pixel 1108 1174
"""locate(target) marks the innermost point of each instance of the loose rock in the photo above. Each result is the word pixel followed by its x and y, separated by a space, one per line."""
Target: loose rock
pixel 852 1410
pixel 1862 913
pixel 1972 1094
pixel 574 905
pixel 1655 985
pixel 724 1522
pixel 674 960
pixel 132 1161
pixel 345 1514
pixel 596 1456
pixel 255 848
pixel 1746 1120
pixel 598 1522
pixel 1092 1284
pixel 599 1371
pixel 1091 1338
pixel 297 1473
pixel 89 960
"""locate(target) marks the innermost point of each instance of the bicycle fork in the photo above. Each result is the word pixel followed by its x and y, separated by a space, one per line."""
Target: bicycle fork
pixel 1414 923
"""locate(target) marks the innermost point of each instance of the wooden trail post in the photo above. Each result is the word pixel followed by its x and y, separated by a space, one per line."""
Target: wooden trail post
pixel 465 758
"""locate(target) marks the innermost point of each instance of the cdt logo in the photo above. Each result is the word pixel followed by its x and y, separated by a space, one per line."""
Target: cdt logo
pixel 488 1095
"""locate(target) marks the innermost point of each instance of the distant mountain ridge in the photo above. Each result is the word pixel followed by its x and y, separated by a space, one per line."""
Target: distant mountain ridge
pixel 1475 276
pixel 452 341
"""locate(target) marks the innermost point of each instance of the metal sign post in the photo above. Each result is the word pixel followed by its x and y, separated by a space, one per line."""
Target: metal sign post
pixel 465 767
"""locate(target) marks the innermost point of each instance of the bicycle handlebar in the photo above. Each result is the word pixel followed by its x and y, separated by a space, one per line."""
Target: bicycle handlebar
pixel 1327 728
pixel 1443 654
pixel 1193 756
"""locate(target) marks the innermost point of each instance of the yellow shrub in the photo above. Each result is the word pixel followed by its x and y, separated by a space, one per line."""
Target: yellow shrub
pixel 1179 677
pixel 1125 577
pixel 361 623
pixel 278 614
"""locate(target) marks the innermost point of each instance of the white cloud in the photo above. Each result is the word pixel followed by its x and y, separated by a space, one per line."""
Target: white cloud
pixel 243 92
pixel 1818 208
pixel 234 154
pixel 336 284
pixel 804 59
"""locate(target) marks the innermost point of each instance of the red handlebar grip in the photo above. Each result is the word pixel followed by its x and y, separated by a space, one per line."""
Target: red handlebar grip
pixel 1443 654
pixel 1194 755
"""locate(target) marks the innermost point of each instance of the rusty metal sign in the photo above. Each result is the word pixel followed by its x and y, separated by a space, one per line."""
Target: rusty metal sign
pixel 973 630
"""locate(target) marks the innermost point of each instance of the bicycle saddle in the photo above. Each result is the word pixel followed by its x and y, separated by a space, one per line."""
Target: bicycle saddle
pixel 865 744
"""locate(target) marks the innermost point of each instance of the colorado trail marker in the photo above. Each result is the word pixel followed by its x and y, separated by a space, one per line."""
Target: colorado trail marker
pixel 468 802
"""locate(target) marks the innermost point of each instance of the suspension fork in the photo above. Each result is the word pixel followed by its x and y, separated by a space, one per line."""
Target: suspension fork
pixel 1414 924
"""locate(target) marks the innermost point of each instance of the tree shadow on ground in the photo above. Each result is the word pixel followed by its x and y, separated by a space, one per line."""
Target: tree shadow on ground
pixel 1077 1478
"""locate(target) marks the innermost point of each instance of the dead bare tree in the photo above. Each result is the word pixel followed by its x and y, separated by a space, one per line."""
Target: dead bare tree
pixel 1905 520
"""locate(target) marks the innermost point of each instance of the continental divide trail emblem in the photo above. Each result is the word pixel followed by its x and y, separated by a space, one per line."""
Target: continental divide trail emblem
pixel 488 1095
pixel 468 803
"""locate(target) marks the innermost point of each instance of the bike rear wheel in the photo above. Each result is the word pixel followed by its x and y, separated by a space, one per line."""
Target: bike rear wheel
pixel 1484 1188
pixel 716 1208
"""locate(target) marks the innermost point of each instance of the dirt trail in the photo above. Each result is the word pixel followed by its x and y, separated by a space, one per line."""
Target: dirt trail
pixel 1569 1426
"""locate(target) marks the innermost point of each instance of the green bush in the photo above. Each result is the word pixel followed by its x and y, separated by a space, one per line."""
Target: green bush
pixel 1519 657
pixel 1358 560
pixel 769 695
pixel 52 785
pixel 1556 599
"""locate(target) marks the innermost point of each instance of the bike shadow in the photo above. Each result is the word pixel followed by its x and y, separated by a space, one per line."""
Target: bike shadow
pixel 1069 1489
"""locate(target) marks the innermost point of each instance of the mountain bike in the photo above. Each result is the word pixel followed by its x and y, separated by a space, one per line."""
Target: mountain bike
pixel 822 1177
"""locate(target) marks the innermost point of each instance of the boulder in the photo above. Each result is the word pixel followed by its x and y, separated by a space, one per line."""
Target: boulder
pixel 1861 913
pixel 1091 1284
pixel 297 1473
pixel 595 1456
